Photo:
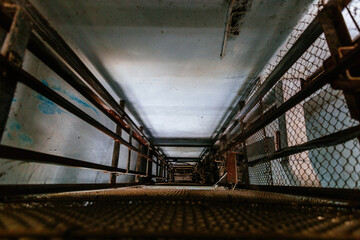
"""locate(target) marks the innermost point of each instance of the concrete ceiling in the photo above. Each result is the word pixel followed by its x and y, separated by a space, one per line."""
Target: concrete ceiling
pixel 163 56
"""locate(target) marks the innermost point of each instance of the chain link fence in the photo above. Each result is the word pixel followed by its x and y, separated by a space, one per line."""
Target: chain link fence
pixel 324 112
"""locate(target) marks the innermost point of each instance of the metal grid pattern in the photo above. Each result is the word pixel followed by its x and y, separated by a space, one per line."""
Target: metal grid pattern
pixel 352 13
pixel 177 213
pixel 323 113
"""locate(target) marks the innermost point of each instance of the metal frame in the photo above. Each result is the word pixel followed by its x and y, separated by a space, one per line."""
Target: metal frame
pixel 13 49
pixel 319 78
pixel 20 37
pixel 337 36
pixel 183 142
pixel 54 40
pixel 25 189
pixel 336 194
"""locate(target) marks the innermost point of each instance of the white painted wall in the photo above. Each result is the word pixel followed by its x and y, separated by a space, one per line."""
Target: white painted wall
pixel 163 57
pixel 36 123
pixel 160 56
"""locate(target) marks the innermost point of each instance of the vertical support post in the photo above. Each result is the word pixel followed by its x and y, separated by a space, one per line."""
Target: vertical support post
pixel 246 178
pixel 337 36
pixel 157 167
pixel 162 170
pixel 245 175
pixel 139 157
pixel 167 173
pixel 116 149
pixel 231 167
pixel 129 151
pixel 148 162
pixel 14 50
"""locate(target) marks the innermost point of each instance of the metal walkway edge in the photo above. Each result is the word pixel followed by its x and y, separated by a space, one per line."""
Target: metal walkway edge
pixel 143 212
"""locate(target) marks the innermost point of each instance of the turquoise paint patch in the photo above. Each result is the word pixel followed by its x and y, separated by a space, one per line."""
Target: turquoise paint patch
pixel 14 133
pixel 9 136
pixel 76 99
pixel 14 125
pixel 48 107
pixel 14 100
pixel 71 96
pixel 25 139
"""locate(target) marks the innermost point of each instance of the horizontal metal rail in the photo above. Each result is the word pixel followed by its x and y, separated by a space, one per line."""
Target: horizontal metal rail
pixel 17 74
pixel 312 32
pixel 229 120
pixel 25 189
pixel 183 142
pixel 315 82
pixel 307 38
pixel 340 194
pixel 53 39
pixel 326 141
pixel 48 57
pixel 41 51
pixel 57 43
pixel 14 153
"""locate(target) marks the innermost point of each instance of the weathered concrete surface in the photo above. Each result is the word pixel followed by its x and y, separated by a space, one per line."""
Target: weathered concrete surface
pixel 163 56
pixel 38 124
pixel 160 56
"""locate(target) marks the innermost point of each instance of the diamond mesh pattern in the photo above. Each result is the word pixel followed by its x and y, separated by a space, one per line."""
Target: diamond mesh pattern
pixel 177 213
pixel 323 113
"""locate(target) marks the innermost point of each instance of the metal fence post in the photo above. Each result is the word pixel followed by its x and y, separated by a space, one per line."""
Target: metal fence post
pixel 116 150
pixel 14 50
pixel 139 158
pixel 337 36
pixel 231 167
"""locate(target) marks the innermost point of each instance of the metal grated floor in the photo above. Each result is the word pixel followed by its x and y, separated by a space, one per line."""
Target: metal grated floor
pixel 177 213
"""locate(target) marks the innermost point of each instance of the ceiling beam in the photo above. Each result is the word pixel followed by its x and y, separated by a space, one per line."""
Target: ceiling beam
pixel 183 159
pixel 183 142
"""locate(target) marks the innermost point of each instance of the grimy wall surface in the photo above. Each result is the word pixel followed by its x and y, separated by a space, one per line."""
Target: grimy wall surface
pixel 36 123
pixel 165 58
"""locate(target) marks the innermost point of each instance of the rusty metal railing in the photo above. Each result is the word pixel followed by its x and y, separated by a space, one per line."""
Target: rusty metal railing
pixel 299 128
pixel 27 29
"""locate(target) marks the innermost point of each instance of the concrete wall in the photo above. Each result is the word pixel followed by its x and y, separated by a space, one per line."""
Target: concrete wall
pixel 163 57
pixel 36 123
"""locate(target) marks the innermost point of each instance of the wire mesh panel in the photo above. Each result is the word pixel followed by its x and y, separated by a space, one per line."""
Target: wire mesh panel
pixel 302 128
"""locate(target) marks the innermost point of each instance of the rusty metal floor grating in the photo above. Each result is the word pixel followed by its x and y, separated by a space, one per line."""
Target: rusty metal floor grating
pixel 176 213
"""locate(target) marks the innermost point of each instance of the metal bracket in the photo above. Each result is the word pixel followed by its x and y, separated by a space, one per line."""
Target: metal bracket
pixel 350 81
pixel 340 43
